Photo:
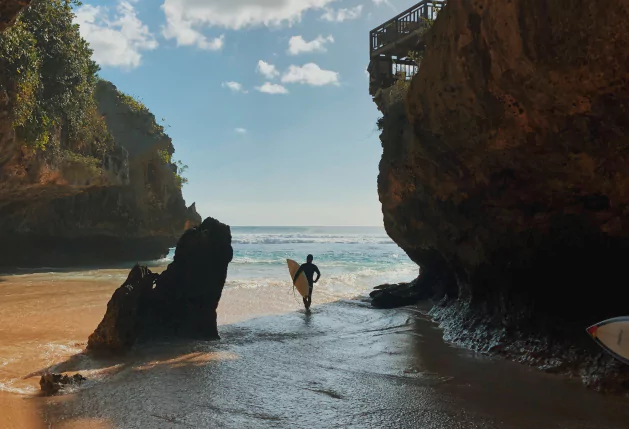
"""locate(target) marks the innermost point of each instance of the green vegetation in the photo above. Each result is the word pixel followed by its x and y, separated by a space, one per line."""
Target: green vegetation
pixel 166 158
pixel 136 107
pixel 179 179
pixel 53 76
pixel 87 165
pixel 47 71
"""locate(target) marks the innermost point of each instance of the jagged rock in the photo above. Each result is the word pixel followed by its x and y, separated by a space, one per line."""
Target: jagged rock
pixel 120 327
pixel 182 301
pixel 52 383
pixel 189 290
pixel 393 295
pixel 434 282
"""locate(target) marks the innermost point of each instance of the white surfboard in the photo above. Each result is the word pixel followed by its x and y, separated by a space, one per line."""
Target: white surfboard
pixel 301 284
pixel 613 336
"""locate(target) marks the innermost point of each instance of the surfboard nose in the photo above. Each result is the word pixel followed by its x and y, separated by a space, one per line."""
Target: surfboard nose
pixel 592 330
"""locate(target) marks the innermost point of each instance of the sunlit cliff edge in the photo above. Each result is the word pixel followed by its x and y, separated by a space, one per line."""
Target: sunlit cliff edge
pixel 86 172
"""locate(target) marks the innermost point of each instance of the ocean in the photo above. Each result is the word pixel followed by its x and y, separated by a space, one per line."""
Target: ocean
pixel 352 260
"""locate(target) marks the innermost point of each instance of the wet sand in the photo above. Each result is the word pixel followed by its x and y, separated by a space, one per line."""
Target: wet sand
pixel 343 365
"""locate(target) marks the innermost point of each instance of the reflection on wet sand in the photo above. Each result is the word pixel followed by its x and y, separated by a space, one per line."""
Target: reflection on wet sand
pixel 341 365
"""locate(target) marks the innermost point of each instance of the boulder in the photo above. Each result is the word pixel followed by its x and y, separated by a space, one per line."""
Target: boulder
pixel 121 325
pixel 182 301
pixel 52 383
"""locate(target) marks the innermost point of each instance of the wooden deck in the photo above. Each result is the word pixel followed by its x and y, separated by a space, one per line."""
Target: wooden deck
pixel 391 42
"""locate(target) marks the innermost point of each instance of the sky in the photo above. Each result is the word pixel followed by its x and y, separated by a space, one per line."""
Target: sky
pixel 266 101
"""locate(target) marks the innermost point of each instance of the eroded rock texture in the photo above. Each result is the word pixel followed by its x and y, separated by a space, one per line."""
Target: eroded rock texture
pixel 182 301
pixel 132 208
pixel 506 173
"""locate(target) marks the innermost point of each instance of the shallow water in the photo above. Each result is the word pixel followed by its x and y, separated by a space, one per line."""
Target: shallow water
pixel 343 365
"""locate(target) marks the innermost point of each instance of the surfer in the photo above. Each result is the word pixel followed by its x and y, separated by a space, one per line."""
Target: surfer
pixel 308 269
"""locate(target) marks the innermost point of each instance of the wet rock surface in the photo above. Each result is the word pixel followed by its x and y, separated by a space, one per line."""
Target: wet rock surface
pixel 53 383
pixel 181 301
pixel 505 170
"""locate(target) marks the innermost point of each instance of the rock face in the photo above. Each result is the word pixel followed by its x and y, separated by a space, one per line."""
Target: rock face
pixel 55 214
pixel 182 301
pixel 71 205
pixel 506 173
pixel 52 383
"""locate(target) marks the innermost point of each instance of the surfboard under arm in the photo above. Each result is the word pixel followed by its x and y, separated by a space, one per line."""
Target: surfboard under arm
pixel 301 284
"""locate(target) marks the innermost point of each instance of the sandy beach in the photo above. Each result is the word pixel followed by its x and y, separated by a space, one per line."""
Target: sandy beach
pixel 343 365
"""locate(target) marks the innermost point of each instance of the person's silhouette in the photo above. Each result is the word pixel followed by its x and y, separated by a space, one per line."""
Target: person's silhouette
pixel 308 269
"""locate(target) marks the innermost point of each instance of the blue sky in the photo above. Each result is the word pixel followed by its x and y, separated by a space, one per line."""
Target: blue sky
pixel 266 100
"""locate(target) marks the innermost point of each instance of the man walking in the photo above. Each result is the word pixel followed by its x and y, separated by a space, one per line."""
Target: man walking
pixel 308 269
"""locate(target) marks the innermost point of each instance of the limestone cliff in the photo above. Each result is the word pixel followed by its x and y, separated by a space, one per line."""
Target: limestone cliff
pixel 505 173
pixel 134 211
pixel 88 180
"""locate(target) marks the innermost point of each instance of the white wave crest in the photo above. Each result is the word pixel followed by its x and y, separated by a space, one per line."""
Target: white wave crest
pixel 304 239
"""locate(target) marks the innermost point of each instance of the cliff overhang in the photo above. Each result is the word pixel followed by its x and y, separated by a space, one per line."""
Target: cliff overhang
pixel 505 173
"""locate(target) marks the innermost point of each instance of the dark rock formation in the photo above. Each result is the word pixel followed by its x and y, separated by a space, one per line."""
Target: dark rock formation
pixel 506 171
pixel 52 383
pixel 120 327
pixel 182 301
pixel 434 283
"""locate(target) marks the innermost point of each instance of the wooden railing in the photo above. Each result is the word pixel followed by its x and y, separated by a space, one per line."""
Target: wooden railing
pixel 406 23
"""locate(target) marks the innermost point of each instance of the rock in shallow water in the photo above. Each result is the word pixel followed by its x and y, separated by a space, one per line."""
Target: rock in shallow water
pixel 52 383
pixel 182 301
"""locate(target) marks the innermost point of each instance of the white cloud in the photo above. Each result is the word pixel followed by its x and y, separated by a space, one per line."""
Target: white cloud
pixel 272 88
pixel 117 41
pixel 240 130
pixel 185 19
pixel 267 70
pixel 234 86
pixel 180 30
pixel 341 15
pixel 310 74
pixel 387 2
pixel 297 44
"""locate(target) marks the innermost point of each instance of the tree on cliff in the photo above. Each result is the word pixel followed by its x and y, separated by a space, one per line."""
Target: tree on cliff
pixel 50 77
